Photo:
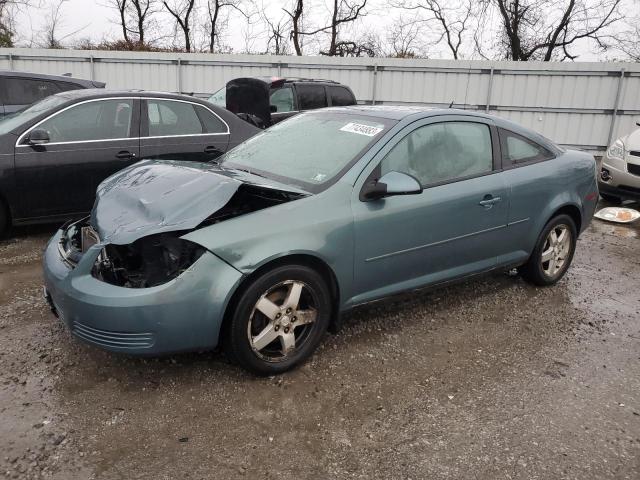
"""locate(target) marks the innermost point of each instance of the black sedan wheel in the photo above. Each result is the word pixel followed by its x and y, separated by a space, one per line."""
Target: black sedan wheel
pixel 4 219
pixel 553 252
pixel 279 320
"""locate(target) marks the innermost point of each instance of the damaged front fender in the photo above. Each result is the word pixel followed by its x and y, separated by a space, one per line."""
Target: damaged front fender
pixel 141 213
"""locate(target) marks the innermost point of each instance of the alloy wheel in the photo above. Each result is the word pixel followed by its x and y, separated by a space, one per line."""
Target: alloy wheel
pixel 281 320
pixel 556 250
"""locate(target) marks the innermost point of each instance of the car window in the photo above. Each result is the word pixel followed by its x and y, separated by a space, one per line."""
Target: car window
pixel 309 150
pixel 219 98
pixel 442 152
pixel 25 91
pixel 518 149
pixel 341 96
pixel 99 120
pixel 282 99
pixel 212 123
pixel 13 121
pixel 311 96
pixel 65 86
pixel 169 118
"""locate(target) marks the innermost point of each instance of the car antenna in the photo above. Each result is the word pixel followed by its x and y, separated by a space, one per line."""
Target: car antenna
pixel 451 104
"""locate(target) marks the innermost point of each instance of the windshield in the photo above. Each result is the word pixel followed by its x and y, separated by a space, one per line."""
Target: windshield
pixel 308 150
pixel 219 98
pixel 11 122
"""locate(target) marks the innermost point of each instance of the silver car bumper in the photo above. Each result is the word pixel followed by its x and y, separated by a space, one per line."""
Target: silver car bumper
pixel 620 177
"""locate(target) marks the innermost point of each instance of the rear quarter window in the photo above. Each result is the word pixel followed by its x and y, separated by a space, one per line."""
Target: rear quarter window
pixel 517 149
pixel 65 86
pixel 311 96
pixel 25 91
pixel 341 96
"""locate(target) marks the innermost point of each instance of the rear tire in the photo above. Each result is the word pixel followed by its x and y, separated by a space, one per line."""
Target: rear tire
pixel 279 320
pixel 611 198
pixel 553 252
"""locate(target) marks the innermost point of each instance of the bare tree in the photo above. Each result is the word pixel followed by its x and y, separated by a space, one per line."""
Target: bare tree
pixel 546 29
pixel 54 22
pixel 214 10
pixel 364 46
pixel 8 9
pixel 276 34
pixel 142 12
pixel 134 18
pixel 452 19
pixel 121 6
pixel 295 14
pixel 629 43
pixel 343 12
pixel 403 38
pixel 181 11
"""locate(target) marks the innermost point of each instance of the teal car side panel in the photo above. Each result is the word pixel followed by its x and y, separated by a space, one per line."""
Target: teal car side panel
pixel 405 242
pixel 319 225
pixel 409 241
pixel 538 191
pixel 183 314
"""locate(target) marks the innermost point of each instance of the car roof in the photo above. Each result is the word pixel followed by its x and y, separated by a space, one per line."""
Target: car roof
pixel 417 112
pixel 396 112
pixel 90 93
pixel 279 80
pixel 57 78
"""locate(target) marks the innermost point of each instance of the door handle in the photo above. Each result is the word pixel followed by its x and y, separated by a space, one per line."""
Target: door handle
pixel 211 149
pixel 489 201
pixel 125 154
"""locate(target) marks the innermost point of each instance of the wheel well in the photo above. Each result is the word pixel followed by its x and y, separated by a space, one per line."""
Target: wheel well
pixel 573 212
pixel 299 259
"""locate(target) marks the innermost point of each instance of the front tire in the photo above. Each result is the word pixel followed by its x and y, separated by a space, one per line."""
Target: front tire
pixel 279 320
pixel 553 252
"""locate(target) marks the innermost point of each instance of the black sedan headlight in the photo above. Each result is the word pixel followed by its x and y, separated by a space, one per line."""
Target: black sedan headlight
pixel 147 262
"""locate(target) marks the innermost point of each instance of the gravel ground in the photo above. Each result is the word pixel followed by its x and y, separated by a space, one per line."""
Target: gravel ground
pixel 490 379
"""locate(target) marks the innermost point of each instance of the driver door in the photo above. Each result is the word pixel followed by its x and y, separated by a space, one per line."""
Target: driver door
pixel 87 142
pixel 455 227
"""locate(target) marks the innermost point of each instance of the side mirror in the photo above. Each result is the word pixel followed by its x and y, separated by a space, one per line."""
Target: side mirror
pixel 391 184
pixel 38 137
pixel 273 108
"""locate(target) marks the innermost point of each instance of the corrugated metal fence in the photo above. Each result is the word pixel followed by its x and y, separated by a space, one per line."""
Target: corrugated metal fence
pixel 576 104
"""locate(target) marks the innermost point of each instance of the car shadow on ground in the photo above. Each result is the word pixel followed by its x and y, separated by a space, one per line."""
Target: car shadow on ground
pixel 426 309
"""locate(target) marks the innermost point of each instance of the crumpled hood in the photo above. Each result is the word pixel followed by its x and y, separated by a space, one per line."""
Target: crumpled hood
pixel 161 196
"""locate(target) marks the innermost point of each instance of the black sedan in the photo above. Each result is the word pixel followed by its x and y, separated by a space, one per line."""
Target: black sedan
pixel 54 154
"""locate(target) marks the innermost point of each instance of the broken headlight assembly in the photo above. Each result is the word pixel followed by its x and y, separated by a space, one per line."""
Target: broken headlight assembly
pixel 147 262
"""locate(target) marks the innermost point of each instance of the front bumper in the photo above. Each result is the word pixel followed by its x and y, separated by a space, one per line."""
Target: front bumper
pixel 618 181
pixel 181 315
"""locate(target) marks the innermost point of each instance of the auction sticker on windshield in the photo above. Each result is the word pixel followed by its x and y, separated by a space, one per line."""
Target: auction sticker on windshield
pixel 368 130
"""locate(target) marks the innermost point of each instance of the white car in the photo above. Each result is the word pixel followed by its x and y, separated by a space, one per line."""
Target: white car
pixel 619 177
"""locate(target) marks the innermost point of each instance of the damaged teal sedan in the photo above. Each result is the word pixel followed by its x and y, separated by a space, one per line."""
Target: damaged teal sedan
pixel 264 250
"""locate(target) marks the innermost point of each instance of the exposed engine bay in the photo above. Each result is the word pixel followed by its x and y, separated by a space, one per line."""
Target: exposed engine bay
pixel 250 198
pixel 147 262
pixel 158 258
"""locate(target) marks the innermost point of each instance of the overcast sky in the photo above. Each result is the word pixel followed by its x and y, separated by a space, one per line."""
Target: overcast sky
pixel 94 20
